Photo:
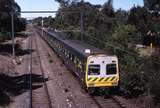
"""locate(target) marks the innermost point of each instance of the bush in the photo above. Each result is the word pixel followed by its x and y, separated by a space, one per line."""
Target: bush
pixel 152 69
pixel 135 84
pixel 155 90
pixel 133 79
pixel 4 36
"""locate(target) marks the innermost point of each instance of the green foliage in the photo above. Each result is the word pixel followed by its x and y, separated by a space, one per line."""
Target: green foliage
pixel 152 4
pixel 116 32
pixel 121 16
pixel 141 18
pixel 108 9
pixel 155 88
pixel 4 37
pixel 134 84
pixel 64 3
pixel 152 70
pixel 20 24
pixel 5 16
pixel 124 36
pixel 132 79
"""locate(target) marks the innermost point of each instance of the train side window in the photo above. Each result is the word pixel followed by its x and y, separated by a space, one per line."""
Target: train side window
pixel 71 56
pixel 63 49
pixel 68 54
pixel 111 69
pixel 77 63
pixel 93 69
pixel 74 59
pixel 80 65
pixel 59 47
pixel 65 52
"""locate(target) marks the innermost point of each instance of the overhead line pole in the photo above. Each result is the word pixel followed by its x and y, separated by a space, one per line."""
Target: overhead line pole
pixel 42 26
pixel 12 24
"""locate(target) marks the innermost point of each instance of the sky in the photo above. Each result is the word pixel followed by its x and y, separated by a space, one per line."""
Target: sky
pixel 28 5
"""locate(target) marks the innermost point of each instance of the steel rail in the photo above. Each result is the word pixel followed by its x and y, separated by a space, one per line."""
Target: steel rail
pixel 30 71
pixel 118 103
pixel 111 98
pixel 97 103
pixel 42 71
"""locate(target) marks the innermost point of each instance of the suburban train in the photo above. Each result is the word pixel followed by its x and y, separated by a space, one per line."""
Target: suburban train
pixel 94 67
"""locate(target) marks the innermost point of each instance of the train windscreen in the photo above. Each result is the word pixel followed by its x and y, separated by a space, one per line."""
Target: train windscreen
pixel 94 70
pixel 111 69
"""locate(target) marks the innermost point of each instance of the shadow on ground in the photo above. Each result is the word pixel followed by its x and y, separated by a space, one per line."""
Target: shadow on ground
pixel 7 48
pixel 14 86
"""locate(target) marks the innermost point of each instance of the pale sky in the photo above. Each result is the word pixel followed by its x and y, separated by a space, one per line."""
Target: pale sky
pixel 28 5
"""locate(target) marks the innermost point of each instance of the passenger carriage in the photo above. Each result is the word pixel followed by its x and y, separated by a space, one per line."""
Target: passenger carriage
pixel 95 68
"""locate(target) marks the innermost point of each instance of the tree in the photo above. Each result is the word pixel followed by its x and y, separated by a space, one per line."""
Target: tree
pixel 65 3
pixel 73 19
pixel 141 18
pixel 121 16
pixel 153 5
pixel 5 15
pixel 108 9
pixel 152 70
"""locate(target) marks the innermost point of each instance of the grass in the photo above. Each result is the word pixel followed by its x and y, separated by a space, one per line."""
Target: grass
pixel 147 51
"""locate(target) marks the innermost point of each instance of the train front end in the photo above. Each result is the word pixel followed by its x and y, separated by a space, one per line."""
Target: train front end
pixel 102 71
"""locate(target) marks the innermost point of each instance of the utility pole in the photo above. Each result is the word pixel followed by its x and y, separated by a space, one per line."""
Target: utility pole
pixel 82 28
pixel 12 24
pixel 42 26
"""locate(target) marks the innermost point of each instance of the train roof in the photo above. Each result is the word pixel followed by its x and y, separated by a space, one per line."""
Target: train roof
pixel 76 45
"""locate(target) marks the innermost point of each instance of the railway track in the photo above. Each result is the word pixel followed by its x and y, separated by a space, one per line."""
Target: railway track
pixel 29 63
pixel 38 98
pixel 101 102
pixel 107 102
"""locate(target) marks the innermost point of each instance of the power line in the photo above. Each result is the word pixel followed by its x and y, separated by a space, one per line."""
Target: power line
pixel 41 11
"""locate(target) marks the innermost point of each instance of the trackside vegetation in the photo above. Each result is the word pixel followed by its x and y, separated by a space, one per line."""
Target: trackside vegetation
pixel 6 7
pixel 119 32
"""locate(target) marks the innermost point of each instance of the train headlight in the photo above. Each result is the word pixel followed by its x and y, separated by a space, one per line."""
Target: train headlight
pixel 87 51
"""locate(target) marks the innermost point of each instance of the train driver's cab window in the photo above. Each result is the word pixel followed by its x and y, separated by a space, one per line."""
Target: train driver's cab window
pixel 111 69
pixel 94 69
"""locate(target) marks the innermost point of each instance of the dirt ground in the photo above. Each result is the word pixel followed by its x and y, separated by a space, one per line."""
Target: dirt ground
pixel 64 89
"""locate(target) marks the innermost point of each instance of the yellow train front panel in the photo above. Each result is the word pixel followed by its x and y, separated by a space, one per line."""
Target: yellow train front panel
pixel 102 82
